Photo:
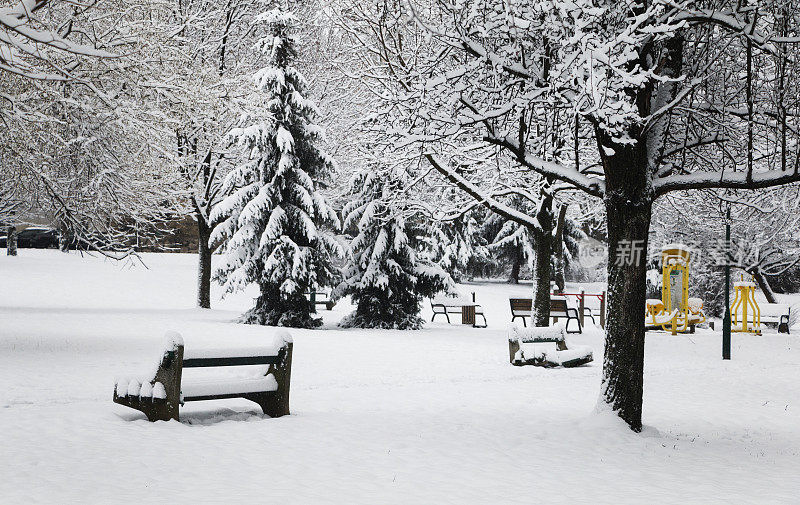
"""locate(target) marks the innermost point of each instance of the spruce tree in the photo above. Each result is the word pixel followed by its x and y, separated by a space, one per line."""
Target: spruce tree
pixel 273 211
pixel 384 276
pixel 514 242
pixel 462 250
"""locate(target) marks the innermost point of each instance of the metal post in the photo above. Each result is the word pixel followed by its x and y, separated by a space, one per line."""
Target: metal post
pixel 726 321
pixel 581 305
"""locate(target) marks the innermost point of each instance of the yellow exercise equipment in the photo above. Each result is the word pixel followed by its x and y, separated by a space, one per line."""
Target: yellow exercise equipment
pixel 744 299
pixel 675 312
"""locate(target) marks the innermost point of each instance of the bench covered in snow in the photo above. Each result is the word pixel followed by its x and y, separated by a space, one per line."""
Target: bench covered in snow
pixel 523 307
pixel 462 305
pixel 159 395
pixel 770 313
pixel 545 347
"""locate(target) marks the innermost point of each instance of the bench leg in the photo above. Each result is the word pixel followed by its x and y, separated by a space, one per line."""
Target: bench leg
pixel 513 347
pixel 574 317
pixel 440 314
pixel 155 409
pixel 276 403
pixel 566 326
pixel 169 375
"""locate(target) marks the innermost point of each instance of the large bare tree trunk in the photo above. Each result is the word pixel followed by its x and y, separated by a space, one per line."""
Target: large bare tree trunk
pixel 542 252
pixel 628 207
pixel 204 264
pixel 11 241
pixel 763 283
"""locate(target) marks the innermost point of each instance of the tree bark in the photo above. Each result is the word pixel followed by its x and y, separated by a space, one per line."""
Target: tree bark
pixel 542 252
pixel 763 283
pixel 11 241
pixel 63 238
pixel 628 203
pixel 558 249
pixel 204 264
pixel 516 265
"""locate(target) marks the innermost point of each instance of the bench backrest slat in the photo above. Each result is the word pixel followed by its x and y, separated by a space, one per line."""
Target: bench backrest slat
pixel 521 303
pixel 230 361
pixel 558 305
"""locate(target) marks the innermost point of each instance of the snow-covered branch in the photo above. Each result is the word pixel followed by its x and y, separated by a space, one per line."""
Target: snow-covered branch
pixel 480 196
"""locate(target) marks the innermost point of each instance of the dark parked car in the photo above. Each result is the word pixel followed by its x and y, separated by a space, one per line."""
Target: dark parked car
pixel 35 237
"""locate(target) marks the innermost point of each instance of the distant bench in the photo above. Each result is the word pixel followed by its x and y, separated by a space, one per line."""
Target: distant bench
pixel 321 298
pixel 522 308
pixel 159 397
pixel 465 307
pixel 770 313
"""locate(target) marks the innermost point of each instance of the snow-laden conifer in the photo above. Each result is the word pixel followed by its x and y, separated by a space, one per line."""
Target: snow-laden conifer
pixel 384 276
pixel 273 213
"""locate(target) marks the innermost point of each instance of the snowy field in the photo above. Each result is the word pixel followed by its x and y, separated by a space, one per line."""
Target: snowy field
pixel 434 416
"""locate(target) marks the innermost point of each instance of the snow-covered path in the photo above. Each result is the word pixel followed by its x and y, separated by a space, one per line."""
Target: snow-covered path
pixel 434 416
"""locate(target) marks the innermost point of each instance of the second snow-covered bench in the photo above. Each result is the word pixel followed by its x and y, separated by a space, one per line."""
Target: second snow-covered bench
pixel 466 307
pixel 523 307
pixel 545 347
pixel 159 395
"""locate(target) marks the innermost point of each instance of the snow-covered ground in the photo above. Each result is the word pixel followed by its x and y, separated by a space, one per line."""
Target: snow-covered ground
pixel 433 416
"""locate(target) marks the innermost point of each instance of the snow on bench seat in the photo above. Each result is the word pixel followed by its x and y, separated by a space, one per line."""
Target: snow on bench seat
pixel 198 388
pixel 549 352
pixel 771 312
pixel 450 301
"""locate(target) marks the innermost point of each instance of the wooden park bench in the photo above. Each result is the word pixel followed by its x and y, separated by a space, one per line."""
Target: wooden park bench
pixel 465 307
pixel 545 347
pixel 522 308
pixel 159 396
pixel 776 313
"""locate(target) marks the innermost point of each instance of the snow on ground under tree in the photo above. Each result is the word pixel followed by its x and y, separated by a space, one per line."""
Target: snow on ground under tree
pixel 430 416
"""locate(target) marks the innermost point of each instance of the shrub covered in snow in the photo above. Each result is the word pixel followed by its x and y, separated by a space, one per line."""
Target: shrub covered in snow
pixel 383 275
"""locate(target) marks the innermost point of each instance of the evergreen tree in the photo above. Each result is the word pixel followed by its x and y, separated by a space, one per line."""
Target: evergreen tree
pixel 460 248
pixel 384 276
pixel 512 241
pixel 273 209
